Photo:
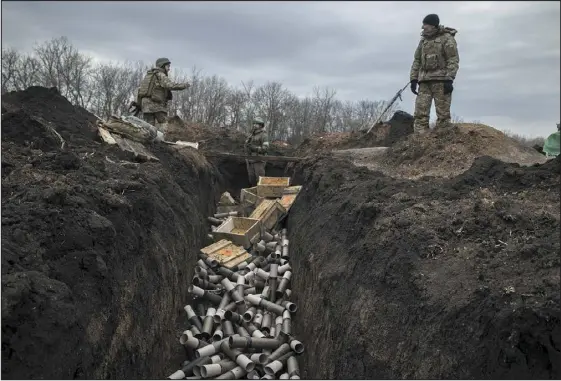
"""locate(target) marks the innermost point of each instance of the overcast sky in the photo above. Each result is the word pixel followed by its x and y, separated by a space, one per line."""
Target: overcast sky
pixel 509 51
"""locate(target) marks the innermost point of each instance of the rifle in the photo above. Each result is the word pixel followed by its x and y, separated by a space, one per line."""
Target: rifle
pixel 392 101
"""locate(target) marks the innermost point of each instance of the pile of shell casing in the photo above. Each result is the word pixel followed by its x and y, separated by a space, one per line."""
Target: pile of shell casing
pixel 239 325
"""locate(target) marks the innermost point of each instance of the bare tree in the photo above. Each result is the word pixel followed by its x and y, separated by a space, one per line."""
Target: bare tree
pixel 323 102
pixel 10 62
pixel 64 67
pixel 107 89
pixel 271 101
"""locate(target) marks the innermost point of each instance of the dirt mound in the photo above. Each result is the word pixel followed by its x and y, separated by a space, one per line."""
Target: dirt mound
pixel 216 139
pixel 449 152
pixel 383 135
pixel 428 279
pixel 95 251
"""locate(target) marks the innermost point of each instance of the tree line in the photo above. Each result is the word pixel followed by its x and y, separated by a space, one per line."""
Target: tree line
pixel 108 88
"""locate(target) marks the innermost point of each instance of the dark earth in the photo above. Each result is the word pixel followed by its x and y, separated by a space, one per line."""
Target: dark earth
pixel 433 278
pixel 428 279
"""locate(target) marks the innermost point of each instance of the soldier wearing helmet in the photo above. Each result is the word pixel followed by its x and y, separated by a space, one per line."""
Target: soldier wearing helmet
pixel 155 92
pixel 256 144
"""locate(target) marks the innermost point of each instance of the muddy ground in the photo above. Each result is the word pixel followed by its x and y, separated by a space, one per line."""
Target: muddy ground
pixel 428 279
pixel 435 278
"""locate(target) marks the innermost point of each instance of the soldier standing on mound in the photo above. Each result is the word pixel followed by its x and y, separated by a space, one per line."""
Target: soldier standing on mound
pixel 154 94
pixel 434 69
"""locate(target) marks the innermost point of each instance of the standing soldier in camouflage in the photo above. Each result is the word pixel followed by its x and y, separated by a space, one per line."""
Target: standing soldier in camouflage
pixel 154 94
pixel 256 144
pixel 434 69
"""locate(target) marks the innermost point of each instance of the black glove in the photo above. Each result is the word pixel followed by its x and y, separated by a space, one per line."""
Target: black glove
pixel 448 87
pixel 414 84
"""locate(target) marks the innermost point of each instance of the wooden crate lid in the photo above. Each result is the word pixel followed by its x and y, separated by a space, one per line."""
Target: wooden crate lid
pixel 225 252
pixel 274 181
pixel 265 207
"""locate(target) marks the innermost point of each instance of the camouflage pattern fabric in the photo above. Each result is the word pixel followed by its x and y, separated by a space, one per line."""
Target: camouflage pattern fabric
pixel 427 92
pixel 130 128
pixel 256 144
pixel 436 57
pixel 157 119
pixel 161 93
pixel 255 170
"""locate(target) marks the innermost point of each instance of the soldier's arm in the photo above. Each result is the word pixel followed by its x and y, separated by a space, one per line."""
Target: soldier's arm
pixel 452 57
pixel 254 146
pixel 167 83
pixel 258 144
pixel 416 62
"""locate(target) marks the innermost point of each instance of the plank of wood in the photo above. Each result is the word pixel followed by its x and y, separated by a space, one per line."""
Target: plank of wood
pixel 137 150
pixel 106 136
pixel 285 159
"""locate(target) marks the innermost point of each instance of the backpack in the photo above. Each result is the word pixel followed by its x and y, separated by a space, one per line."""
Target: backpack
pixel 147 85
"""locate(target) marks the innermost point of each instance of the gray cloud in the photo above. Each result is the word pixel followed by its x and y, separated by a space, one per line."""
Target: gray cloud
pixel 509 51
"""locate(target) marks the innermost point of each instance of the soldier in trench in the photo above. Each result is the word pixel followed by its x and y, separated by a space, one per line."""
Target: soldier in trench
pixel 435 65
pixel 256 145
pixel 154 94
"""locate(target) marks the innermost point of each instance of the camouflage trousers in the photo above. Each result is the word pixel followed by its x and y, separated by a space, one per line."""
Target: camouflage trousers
pixel 255 170
pixel 427 92
pixel 157 119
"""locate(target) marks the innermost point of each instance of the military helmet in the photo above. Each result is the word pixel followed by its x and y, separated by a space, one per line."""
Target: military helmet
pixel 161 62
pixel 258 121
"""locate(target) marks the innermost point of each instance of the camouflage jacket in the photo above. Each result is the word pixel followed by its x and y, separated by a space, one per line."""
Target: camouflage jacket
pixel 257 143
pixel 436 57
pixel 161 92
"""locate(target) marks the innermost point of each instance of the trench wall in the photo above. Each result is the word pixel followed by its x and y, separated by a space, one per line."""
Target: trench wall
pixel 96 252
pixel 378 298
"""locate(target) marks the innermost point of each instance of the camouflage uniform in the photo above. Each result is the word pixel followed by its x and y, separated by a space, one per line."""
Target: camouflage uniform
pixel 436 62
pixel 256 144
pixel 155 92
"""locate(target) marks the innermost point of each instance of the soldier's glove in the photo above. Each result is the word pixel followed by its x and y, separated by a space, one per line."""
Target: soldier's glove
pixel 448 87
pixel 414 84
pixel 134 108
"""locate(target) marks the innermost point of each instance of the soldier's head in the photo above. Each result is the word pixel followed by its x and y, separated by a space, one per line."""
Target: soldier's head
pixel 258 123
pixel 558 126
pixel 430 23
pixel 163 63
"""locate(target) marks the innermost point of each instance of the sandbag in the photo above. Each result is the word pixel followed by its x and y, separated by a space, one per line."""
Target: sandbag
pixel 131 128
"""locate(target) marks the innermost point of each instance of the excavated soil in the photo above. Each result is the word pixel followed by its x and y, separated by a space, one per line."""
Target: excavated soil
pixel 450 152
pixel 382 135
pixel 95 254
pixel 433 279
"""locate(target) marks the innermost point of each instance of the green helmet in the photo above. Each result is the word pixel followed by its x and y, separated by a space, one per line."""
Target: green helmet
pixel 258 121
pixel 161 62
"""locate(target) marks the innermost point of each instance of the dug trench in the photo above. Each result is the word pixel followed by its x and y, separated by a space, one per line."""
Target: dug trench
pixel 431 278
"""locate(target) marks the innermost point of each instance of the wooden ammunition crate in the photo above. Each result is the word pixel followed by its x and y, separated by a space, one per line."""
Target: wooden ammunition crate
pixel 226 253
pixel 289 195
pixel 272 187
pixel 239 230
pixel 269 212
pixel 249 196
